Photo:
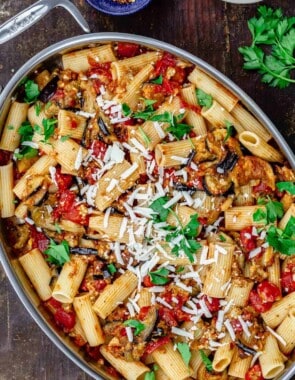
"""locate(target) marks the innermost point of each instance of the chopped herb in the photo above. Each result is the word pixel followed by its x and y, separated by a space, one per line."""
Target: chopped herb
pixel 286 186
pixel 166 117
pixel 222 238
pixel 158 80
pixel 138 326
pixel 37 129
pixel 65 138
pixel 48 105
pixel 49 128
pixel 191 229
pixel 161 212
pixel 145 137
pixel 149 104
pixel 185 352
pixel 283 240
pixel 31 91
pixel 206 361
pixel 160 276
pixel 259 215
pixel 179 130
pixel 111 268
pixel 274 210
pixel 57 228
pixel 126 109
pixel 150 376
pixel 204 100
pixel 58 254
pixel 26 132
pixel 180 269
pixel 229 130
pixel 37 108
pixel 277 34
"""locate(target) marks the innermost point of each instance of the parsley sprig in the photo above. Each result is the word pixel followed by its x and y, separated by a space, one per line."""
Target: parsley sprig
pixel 58 254
pixel 206 361
pixel 138 326
pixel 185 352
pixel 271 29
pixel 26 132
pixel 286 186
pixel 159 276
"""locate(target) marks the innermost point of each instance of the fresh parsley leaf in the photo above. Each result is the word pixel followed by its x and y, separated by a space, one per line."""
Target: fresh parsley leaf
pixel 145 137
pixel 275 64
pixel 31 91
pixel 180 269
pixel 57 228
pixel 26 132
pixel 229 130
pixel 222 238
pixel 279 240
pixel 150 376
pixel 179 130
pixel 138 326
pixel 65 138
pixel 111 268
pixel 58 254
pixel 274 210
pixel 160 276
pixel 204 100
pixel 191 229
pixel 126 109
pixel 185 352
pixel 289 230
pixel 158 80
pixel 286 186
pixel 161 212
pixel 48 105
pixel 206 361
pixel 165 117
pixel 260 215
pixel 49 127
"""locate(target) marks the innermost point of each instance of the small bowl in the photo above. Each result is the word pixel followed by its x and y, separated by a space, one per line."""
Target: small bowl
pixel 116 9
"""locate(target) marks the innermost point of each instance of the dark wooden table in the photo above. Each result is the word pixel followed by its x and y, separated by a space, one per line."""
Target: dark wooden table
pixel 210 29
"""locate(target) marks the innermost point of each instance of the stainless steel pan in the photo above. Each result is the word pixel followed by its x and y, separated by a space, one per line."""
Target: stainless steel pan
pixel 52 55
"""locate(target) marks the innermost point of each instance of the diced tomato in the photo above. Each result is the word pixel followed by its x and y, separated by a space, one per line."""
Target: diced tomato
pixel 4 157
pixel 100 285
pixel 99 149
pixel 262 188
pixel 254 373
pixel 168 316
pixel 102 69
pixel 65 319
pixel 147 281
pixel 236 324
pixel 203 220
pixel 268 291
pixel 247 239
pixel 64 181
pixel 143 178
pixel 257 302
pixel 74 123
pixel 111 371
pixel 127 49
pixel 161 66
pixel 69 209
pixel 288 278
pixel 143 312
pixel 39 239
pixel 211 303
pixel 94 352
pixel 153 345
pixel 53 304
pixel 59 94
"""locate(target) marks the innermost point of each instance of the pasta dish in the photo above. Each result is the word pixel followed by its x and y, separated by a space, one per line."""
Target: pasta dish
pixel 153 215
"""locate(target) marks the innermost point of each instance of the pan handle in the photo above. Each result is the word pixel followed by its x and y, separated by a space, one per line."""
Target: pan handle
pixel 34 13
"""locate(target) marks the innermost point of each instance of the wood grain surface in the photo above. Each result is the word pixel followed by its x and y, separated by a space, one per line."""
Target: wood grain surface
pixel 211 29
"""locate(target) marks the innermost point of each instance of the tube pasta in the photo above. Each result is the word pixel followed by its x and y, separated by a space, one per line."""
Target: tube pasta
pixel 272 360
pixel 130 370
pixel 215 89
pixel 249 122
pixel 81 60
pixel 239 366
pixel 279 310
pixel 115 293
pixel 7 205
pixel 197 122
pixel 239 291
pixel 10 138
pixel 171 362
pixel 237 218
pixel 70 124
pixel 285 219
pixel 38 272
pixel 88 319
pixel 257 146
pixel 287 331
pixel 70 279
pixel 223 355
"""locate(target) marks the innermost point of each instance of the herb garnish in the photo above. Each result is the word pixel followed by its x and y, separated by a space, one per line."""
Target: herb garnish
pixel 26 132
pixel 111 268
pixel 204 100
pixel 283 240
pixel 160 276
pixel 185 352
pixel 286 186
pixel 31 91
pixel 161 213
pixel 49 127
pixel 58 254
pixel 229 130
pixel 158 80
pixel 274 209
pixel 37 107
pixel 274 30
pixel 206 361
pixel 138 326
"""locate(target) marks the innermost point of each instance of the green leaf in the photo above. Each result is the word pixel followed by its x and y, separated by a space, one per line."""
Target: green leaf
pixel 161 212
pixel 260 215
pixel 204 100
pixel 111 268
pixel 274 210
pixel 26 132
pixel 158 80
pixel 37 107
pixel 57 228
pixel 166 117
pixel 126 109
pixel 229 130
pixel 58 254
pixel 138 326
pixel 150 376
pixel 160 276
pixel 145 137
pixel 289 230
pixel 191 229
pixel 206 361
pixel 185 352
pixel 179 130
pixel 31 91
pixel 49 128
pixel 65 138
pixel 286 186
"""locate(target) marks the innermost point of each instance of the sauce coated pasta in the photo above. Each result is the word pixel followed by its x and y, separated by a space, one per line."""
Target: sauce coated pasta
pixel 153 215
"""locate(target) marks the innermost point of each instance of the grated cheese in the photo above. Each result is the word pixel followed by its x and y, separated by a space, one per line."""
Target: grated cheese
pixel 277 336
pixel 230 329
pixel 79 159
pixel 127 173
pixel 129 334
pixel 182 332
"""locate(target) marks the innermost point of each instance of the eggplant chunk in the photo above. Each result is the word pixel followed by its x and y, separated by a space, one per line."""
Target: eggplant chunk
pixel 49 90
pixel 217 184
pixel 183 187
pixel 228 163
pixel 149 322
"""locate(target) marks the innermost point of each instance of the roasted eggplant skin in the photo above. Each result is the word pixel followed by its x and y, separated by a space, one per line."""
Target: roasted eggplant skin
pixel 217 184
pixel 49 90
